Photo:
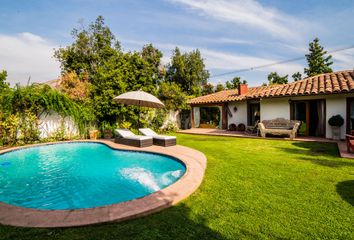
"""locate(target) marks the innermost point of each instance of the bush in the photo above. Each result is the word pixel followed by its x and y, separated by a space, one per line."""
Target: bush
pixel 158 120
pixel 29 128
pixel 336 121
pixel 9 126
pixel 232 127
pixel 125 125
pixel 170 127
pixel 241 127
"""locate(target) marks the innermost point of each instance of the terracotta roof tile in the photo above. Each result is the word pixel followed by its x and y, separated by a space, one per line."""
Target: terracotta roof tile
pixel 327 83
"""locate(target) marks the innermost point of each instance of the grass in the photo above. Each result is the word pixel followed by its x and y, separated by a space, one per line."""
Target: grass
pixel 252 189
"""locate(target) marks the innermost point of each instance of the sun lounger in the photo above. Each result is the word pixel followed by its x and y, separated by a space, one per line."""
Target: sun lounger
pixel 126 137
pixel 160 140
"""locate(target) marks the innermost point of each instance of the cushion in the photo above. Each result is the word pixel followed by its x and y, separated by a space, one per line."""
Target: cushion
pixel 147 132
pixel 163 137
pixel 124 133
pixel 136 137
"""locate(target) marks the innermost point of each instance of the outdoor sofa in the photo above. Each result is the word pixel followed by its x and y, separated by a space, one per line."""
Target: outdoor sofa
pixel 160 140
pixel 126 137
pixel 279 126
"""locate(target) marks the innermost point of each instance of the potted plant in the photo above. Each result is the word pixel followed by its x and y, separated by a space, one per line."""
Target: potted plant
pixel 107 130
pixel 93 133
pixel 336 122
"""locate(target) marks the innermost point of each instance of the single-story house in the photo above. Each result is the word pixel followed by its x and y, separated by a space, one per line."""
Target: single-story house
pixel 312 100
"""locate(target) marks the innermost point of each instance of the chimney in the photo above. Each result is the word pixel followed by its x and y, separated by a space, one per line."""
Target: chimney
pixel 242 89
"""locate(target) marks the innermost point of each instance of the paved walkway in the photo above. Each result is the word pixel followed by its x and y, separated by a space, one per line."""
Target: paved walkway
pixel 218 132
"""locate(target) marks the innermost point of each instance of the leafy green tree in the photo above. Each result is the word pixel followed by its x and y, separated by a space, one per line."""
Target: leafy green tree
pixel 153 56
pixel 96 55
pixel 219 87
pixel 235 83
pixel 122 73
pixel 297 76
pixel 188 70
pixel 91 48
pixel 207 89
pixel 275 78
pixel 317 61
pixel 172 96
pixel 3 83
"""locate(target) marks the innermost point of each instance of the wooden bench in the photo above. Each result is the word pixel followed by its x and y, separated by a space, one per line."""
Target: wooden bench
pixel 279 126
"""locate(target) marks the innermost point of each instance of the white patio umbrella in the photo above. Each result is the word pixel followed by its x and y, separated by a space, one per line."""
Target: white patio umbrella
pixel 140 99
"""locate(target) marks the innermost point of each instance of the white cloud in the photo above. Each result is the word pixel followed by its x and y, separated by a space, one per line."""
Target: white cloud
pixel 249 14
pixel 27 55
pixel 343 60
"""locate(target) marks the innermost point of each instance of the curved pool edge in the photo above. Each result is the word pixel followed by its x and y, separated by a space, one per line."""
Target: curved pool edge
pixel 194 161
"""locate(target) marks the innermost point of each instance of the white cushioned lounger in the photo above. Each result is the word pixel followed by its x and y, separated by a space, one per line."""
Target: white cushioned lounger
pixel 129 138
pixel 161 140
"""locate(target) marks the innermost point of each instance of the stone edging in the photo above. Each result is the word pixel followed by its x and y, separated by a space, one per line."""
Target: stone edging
pixel 194 161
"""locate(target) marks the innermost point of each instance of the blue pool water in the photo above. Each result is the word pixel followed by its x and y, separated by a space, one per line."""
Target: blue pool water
pixel 82 175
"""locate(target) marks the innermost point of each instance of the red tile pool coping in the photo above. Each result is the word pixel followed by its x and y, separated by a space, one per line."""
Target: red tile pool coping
pixel 194 160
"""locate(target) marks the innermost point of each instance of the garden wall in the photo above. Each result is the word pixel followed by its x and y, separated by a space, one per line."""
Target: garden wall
pixel 52 123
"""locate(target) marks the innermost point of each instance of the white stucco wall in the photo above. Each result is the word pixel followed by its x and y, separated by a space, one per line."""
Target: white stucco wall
pixel 52 121
pixel 172 117
pixel 334 106
pixel 240 116
pixel 274 108
pixel 280 108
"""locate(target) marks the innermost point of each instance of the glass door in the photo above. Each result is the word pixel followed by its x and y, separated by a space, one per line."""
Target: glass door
pixel 350 115
pixel 254 113
pixel 311 113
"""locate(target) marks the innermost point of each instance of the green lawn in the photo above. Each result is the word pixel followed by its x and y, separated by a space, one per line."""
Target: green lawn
pixel 252 189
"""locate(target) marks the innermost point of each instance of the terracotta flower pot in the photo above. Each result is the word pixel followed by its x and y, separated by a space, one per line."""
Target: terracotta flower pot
pixel 107 134
pixel 93 134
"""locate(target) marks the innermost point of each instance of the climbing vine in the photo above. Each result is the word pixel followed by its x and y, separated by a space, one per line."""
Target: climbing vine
pixel 41 98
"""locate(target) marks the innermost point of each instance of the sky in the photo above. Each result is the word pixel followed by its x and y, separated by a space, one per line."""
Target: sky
pixel 231 34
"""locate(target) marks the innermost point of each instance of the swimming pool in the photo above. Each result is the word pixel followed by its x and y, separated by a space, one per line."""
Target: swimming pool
pixel 67 176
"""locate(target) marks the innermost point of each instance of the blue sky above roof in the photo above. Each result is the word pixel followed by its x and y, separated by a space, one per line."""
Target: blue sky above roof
pixel 231 35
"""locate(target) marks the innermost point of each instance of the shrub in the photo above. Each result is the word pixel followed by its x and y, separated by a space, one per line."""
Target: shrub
pixel 125 124
pixel 241 127
pixel 170 127
pixel 28 128
pixel 9 126
pixel 232 127
pixel 336 121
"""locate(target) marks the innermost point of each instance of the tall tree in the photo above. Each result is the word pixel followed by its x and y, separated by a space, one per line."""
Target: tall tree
pixel 207 89
pixel 3 83
pixel 188 70
pixel 91 48
pixel 275 78
pixel 317 61
pixel 153 57
pixel 235 83
pixel 172 96
pixel 122 73
pixel 297 76
pixel 219 87
pixel 95 56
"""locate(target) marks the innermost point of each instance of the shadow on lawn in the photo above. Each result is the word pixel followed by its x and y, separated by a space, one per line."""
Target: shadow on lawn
pixel 174 223
pixel 309 150
pixel 346 191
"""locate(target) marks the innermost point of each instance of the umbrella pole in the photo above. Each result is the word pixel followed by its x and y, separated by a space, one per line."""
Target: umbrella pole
pixel 139 116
